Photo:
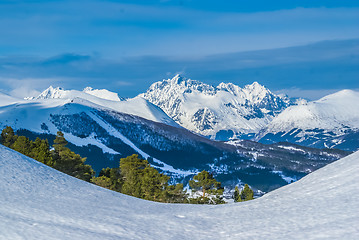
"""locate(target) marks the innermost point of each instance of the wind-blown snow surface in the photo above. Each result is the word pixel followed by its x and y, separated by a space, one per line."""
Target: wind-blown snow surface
pixel 38 202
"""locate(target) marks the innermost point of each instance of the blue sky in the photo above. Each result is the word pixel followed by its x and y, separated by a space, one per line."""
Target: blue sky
pixel 302 48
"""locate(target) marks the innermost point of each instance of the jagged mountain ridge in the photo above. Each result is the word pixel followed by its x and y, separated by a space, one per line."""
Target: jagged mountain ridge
pixel 331 122
pixel 228 112
pixel 222 112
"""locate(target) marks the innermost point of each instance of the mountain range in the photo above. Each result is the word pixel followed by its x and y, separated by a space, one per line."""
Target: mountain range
pixel 104 127
pixel 229 112
pixel 223 112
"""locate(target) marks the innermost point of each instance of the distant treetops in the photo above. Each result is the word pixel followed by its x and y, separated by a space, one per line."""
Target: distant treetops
pixel 134 176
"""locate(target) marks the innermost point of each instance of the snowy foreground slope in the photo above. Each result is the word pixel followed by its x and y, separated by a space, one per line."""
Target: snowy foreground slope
pixel 38 202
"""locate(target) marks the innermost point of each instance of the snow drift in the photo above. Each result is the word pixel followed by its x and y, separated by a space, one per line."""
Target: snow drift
pixel 38 202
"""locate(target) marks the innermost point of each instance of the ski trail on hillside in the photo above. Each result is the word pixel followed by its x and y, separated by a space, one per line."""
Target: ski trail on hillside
pixel 90 140
pixel 114 132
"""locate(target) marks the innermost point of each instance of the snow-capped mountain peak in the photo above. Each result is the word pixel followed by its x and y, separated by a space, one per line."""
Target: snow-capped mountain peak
pixel 186 85
pixel 256 89
pixel 207 110
pixel 178 78
pixel 229 87
pixel 51 92
pixel 58 92
pixel 251 94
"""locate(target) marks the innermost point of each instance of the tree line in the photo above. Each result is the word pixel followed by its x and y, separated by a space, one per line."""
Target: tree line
pixel 60 157
pixel 134 176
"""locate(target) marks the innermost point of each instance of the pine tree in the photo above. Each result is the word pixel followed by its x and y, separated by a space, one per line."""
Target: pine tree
pixel 153 184
pixel 61 158
pixel 236 194
pixel 60 140
pixel 205 182
pixel 175 194
pixel 132 171
pixel 40 151
pixel 245 195
pixel 22 145
pixel 44 154
pixel 73 164
pixel 116 179
pixel 102 181
pixel 141 180
pixel 69 162
pixel 109 178
pixel 59 145
pixel 8 137
pixel 35 149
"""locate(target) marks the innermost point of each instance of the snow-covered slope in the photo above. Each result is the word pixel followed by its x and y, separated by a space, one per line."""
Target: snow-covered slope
pixel 76 114
pixel 38 202
pixel 103 93
pixel 221 112
pixel 332 121
pixel 109 100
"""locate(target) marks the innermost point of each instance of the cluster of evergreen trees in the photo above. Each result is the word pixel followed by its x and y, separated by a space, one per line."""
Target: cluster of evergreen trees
pixel 245 195
pixel 137 178
pixel 134 176
pixel 60 157
pixel 212 190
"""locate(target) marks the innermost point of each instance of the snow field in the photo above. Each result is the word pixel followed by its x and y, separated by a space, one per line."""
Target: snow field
pixel 38 202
